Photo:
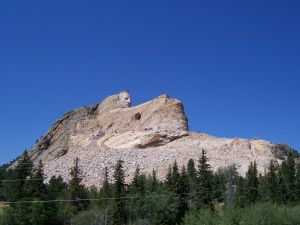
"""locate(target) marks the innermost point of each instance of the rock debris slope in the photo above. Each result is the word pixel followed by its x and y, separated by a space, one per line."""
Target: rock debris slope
pixel 151 135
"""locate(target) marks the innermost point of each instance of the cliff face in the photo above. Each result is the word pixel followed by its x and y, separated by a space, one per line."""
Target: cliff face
pixel 82 126
pixel 151 135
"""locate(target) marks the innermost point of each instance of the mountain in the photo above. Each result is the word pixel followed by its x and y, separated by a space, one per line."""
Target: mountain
pixel 151 135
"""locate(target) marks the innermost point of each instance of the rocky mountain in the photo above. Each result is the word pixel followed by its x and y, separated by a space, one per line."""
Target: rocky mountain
pixel 151 135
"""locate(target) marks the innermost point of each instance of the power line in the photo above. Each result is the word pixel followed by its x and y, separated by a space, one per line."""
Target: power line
pixel 126 197
pixel 98 199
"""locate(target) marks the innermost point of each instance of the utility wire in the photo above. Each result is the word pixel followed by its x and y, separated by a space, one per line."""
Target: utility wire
pixel 127 197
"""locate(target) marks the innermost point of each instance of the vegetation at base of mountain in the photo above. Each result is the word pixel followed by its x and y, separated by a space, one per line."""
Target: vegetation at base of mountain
pixel 191 194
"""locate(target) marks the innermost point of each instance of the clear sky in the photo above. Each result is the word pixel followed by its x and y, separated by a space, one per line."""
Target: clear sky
pixel 235 65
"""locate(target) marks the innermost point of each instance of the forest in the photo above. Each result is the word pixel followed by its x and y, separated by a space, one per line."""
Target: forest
pixel 190 195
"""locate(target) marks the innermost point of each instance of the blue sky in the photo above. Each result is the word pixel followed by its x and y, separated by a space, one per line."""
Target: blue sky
pixel 235 65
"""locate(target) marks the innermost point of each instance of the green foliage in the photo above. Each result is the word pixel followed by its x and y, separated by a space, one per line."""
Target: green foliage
pixel 57 211
pixel 119 213
pixel 252 183
pixel 16 189
pixel 262 213
pixel 154 181
pixel 162 208
pixel 187 196
pixel 271 183
pixel 203 217
pixel 270 214
pixel 297 183
pixel 136 205
pixel 191 170
pixel 240 195
pixel 76 191
pixel 35 186
pixel 106 192
pixel 224 183
pixel 288 169
pixel 91 216
pixel 184 189
pixel 204 197
pixel 4 175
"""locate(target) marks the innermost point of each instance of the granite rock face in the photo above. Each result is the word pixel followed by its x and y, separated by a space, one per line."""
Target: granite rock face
pixel 151 135
pixel 81 126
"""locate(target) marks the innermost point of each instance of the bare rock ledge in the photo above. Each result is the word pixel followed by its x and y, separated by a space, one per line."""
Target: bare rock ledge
pixel 152 135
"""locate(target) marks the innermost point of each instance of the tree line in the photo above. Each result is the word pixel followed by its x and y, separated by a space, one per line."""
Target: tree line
pixel 191 194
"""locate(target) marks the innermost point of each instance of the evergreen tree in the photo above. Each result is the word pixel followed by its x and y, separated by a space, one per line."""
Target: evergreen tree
pixel 4 175
pixel 17 191
pixel 252 183
pixel 169 181
pixel 36 191
pixel 154 181
pixel 280 191
pixel 36 187
pixel 19 177
pixel 184 189
pixel 288 168
pixel 105 192
pixel 262 189
pixel 192 173
pixel 271 181
pixel 240 195
pixel 175 179
pixel 225 183
pixel 137 190
pixel 119 214
pixel 297 183
pixel 204 189
pixel 106 187
pixel 138 182
pixel 56 190
pixel 76 191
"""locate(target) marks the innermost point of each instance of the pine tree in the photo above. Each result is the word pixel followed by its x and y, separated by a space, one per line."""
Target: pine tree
pixel 36 190
pixel 262 189
pixel 154 181
pixel 18 190
pixel 36 187
pixel 192 173
pixel 76 191
pixel 297 183
pixel 289 176
pixel 175 179
pixel 223 184
pixel 252 183
pixel 240 195
pixel 204 189
pixel 271 180
pixel 56 190
pixel 232 174
pixel 137 190
pixel 138 182
pixel 184 189
pixel 20 175
pixel 169 181
pixel 105 193
pixel 106 189
pixel 119 214
pixel 280 190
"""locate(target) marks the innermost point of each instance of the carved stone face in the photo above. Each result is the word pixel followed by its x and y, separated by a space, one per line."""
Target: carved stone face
pixel 125 100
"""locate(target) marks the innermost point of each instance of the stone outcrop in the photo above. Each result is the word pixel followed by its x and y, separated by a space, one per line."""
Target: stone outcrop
pixel 151 135
pixel 81 126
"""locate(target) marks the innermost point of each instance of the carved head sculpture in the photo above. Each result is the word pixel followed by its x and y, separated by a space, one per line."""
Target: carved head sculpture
pixel 125 100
